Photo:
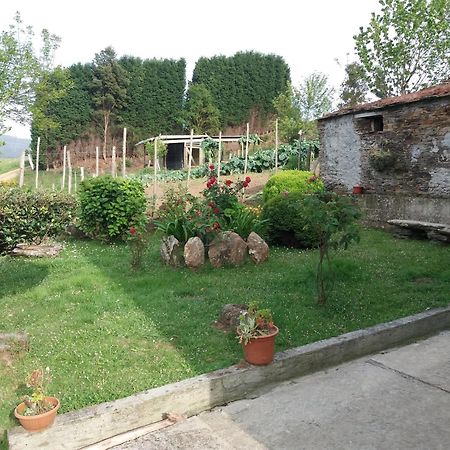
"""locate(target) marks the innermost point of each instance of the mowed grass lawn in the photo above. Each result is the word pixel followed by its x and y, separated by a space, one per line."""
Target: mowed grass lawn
pixel 7 164
pixel 107 332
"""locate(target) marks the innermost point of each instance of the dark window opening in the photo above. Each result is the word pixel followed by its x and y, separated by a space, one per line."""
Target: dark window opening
pixel 370 124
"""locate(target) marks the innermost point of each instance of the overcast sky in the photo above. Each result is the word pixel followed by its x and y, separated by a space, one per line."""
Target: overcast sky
pixel 310 35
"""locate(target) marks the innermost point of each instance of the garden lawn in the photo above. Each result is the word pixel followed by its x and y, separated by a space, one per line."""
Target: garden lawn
pixel 107 332
pixel 7 164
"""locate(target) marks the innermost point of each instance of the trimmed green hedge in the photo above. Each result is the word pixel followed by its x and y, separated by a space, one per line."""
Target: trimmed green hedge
pixel 288 181
pixel 110 206
pixel 29 216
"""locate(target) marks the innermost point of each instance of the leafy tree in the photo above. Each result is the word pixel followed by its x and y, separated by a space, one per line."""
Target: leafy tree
pixel 201 114
pixel 354 88
pixel 110 82
pixel 314 96
pixel 289 118
pixel 406 47
pixel 21 67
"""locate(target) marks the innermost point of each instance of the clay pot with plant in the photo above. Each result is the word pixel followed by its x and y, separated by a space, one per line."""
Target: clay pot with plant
pixel 256 333
pixel 38 410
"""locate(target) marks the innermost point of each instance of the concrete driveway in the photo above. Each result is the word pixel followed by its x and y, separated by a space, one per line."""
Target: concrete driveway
pixel 397 399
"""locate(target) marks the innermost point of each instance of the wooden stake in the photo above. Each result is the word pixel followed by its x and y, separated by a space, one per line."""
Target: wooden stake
pixel 30 160
pixel 75 181
pixel 276 145
pixel 155 157
pixel 63 182
pixel 246 150
pixel 37 161
pixel 124 152
pixel 220 156
pixel 22 169
pixel 69 166
pixel 96 161
pixel 190 156
pixel 113 163
pixel 82 174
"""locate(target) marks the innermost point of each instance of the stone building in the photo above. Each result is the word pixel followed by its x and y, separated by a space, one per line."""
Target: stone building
pixel 398 150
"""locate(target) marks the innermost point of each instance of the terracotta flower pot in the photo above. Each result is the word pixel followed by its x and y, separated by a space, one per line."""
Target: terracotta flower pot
pixel 40 421
pixel 357 189
pixel 260 350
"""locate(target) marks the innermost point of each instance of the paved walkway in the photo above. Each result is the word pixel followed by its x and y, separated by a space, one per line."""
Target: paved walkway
pixel 398 399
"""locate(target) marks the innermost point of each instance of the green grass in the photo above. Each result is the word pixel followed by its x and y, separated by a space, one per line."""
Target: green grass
pixel 7 164
pixel 47 179
pixel 107 332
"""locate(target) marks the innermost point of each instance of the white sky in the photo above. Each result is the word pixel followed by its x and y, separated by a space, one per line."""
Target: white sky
pixel 308 34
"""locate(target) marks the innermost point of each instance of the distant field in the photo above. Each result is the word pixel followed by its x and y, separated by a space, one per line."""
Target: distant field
pixel 7 164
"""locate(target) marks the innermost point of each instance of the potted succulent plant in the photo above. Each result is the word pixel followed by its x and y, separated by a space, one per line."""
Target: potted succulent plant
pixel 256 333
pixel 37 411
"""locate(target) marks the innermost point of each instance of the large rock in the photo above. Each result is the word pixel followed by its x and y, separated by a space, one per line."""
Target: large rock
pixel 257 248
pixel 171 251
pixel 194 253
pixel 37 251
pixel 227 249
pixel 229 317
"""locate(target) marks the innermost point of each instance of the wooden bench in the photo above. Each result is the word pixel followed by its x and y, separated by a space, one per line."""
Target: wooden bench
pixel 421 230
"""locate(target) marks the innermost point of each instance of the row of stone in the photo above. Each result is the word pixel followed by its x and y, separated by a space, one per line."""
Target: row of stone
pixel 227 249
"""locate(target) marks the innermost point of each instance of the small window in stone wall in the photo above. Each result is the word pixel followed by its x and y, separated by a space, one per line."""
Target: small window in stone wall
pixel 369 124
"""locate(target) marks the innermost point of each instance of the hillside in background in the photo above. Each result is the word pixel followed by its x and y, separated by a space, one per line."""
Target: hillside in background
pixel 13 147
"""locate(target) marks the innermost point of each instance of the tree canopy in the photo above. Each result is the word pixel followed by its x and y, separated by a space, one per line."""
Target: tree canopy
pixel 406 46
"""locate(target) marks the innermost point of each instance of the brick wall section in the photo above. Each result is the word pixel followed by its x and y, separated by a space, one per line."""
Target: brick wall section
pixel 418 136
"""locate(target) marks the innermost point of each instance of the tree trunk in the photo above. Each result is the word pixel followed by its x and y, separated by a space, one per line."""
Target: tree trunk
pixel 105 133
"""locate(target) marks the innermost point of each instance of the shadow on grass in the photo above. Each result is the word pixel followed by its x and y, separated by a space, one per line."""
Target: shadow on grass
pixel 12 274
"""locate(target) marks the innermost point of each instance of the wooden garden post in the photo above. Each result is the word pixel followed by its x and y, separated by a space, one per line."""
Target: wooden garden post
pixel 96 161
pixel 81 174
pixel 30 160
pixel 190 156
pixel 37 161
pixel 22 169
pixel 299 148
pixel 75 180
pixel 69 166
pixel 63 182
pixel 113 163
pixel 219 157
pixel 124 152
pixel 246 150
pixel 155 157
pixel 276 145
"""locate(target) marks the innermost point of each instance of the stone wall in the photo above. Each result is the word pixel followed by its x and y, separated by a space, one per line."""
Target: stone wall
pixel 415 141
pixel 417 135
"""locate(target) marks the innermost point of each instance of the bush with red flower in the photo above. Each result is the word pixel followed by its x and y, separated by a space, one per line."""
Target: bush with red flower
pixel 137 238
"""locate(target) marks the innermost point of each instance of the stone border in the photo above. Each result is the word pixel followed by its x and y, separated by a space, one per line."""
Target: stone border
pixel 87 426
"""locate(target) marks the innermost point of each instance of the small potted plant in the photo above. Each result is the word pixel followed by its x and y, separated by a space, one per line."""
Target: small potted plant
pixel 256 333
pixel 37 411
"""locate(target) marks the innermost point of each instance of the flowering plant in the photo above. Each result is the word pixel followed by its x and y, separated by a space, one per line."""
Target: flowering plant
pixel 253 323
pixel 137 241
pixel 36 403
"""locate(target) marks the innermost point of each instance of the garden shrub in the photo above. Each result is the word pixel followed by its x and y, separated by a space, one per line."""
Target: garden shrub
pixel 30 216
pixel 110 206
pixel 287 222
pixel 292 181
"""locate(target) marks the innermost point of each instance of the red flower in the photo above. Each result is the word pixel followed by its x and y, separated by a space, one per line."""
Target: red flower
pixel 285 193
pixel 211 167
pixel 228 182
pixel 313 178
pixel 248 179
pixel 216 225
pixel 133 230
pixel 216 210
pixel 212 180
pixel 245 184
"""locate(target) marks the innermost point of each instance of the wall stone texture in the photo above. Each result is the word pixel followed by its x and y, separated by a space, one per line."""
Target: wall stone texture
pixel 417 138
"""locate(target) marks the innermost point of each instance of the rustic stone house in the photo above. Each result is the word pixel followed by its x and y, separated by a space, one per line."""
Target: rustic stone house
pixel 398 150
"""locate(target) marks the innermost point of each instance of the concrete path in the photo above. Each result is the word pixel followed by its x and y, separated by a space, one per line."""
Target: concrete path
pixel 398 399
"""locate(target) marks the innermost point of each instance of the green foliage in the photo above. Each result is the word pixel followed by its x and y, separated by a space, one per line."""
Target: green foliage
pixel 288 181
pixel 110 206
pixel 289 119
pixel 354 88
pixel 287 223
pixel 21 68
pixel 333 219
pixel 405 47
pixel 154 98
pixel 201 113
pixel 161 148
pixel 27 216
pixel 242 220
pixel 381 159
pixel 254 322
pixel 315 96
pixel 241 83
